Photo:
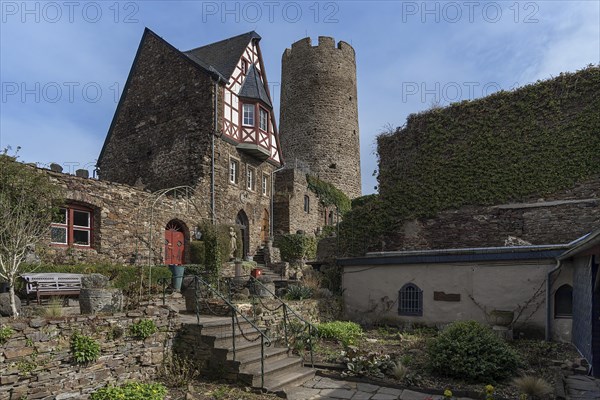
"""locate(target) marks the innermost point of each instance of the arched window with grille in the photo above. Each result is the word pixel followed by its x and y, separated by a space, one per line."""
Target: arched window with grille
pixel 410 300
pixel 563 302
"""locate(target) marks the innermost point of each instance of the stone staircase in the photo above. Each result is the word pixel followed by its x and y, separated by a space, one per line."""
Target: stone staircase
pixel 259 258
pixel 281 370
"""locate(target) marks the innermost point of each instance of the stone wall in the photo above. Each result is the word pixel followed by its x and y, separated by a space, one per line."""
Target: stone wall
pixel 319 112
pixel 161 130
pixel 451 291
pixel 231 199
pixel 36 362
pixel 125 220
pixel 288 209
pixel 555 219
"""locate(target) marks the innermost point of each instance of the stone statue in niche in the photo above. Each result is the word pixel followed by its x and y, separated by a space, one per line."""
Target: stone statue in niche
pixel 232 242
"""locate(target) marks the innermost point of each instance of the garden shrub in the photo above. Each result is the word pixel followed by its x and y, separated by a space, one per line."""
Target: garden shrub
pixel 143 329
pixel 84 348
pixel 131 391
pixel 367 363
pixel 345 332
pixel 297 246
pixel 298 292
pixel 5 333
pixel 469 350
pixel 197 252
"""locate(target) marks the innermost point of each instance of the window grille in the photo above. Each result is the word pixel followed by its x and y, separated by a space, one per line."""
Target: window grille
pixel 563 302
pixel 410 300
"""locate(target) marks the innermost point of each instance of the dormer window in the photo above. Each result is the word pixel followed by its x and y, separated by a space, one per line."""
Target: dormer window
pixel 264 120
pixel 248 115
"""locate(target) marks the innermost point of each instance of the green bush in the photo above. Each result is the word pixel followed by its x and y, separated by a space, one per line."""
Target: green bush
pixel 84 348
pixel 197 252
pixel 131 391
pixel 469 350
pixel 298 292
pixel 122 276
pixel 5 333
pixel 143 329
pixel 345 332
pixel 297 247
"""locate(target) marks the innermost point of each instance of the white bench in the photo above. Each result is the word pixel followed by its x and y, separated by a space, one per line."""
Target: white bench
pixel 52 284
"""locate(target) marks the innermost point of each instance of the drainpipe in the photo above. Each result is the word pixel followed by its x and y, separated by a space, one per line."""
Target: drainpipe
pixel 549 299
pixel 271 233
pixel 212 151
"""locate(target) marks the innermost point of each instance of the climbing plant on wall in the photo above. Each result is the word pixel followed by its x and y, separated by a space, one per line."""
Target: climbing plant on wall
pixel 535 140
pixel 328 194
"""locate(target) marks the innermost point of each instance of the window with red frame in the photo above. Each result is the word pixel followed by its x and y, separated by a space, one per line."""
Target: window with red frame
pixel 72 226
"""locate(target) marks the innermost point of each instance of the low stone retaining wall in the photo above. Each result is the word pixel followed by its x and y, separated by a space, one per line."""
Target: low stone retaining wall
pixel 36 362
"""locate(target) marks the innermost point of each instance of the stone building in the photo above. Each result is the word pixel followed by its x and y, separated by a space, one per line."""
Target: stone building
pixel 202 119
pixel 319 132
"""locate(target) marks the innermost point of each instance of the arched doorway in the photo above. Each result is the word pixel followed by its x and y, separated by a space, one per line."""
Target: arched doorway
pixel 264 227
pixel 241 220
pixel 174 243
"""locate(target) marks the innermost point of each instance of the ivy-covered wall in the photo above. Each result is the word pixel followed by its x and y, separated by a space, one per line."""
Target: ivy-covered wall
pixel 536 140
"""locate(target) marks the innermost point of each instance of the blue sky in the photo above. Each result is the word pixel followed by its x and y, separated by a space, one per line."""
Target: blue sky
pixel 63 64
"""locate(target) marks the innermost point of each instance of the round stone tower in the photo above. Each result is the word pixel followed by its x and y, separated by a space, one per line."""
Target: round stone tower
pixel 319 112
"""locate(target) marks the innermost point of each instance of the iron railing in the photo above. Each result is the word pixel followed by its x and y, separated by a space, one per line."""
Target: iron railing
pixel 287 310
pixel 264 339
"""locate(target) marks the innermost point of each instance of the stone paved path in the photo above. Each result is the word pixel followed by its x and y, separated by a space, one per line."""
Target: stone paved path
pixel 579 387
pixel 326 388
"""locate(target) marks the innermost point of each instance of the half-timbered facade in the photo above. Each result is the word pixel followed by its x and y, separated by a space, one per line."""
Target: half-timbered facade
pixel 203 119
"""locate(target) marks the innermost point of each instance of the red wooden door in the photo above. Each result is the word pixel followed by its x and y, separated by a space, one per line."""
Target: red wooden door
pixel 174 244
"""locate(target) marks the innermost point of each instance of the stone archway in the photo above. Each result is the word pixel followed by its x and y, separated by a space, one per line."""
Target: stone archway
pixel 242 222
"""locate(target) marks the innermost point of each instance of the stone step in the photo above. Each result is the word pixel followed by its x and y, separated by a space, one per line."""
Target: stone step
pixel 249 357
pixel 252 374
pixel 286 379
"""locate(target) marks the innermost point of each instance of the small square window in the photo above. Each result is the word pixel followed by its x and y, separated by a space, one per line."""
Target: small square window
pixel 72 226
pixel 248 114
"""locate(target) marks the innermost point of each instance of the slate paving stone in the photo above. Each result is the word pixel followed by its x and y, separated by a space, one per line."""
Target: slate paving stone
pixel 383 396
pixel 392 391
pixel 367 387
pixel 331 384
pixel 338 393
pixel 302 393
pixel 358 395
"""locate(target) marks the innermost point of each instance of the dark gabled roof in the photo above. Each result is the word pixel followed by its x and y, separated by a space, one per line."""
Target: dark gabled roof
pixel 254 88
pixel 223 56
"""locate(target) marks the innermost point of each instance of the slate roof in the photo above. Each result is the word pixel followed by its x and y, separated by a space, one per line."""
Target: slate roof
pixel 224 55
pixel 253 87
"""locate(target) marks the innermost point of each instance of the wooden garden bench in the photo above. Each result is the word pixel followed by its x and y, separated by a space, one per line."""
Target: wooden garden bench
pixel 51 284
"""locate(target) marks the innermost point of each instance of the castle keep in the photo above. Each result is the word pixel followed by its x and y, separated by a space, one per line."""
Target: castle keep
pixel 318 131
pixel 319 112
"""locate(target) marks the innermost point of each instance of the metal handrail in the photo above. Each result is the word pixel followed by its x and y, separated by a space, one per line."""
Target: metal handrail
pixel 234 322
pixel 286 308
